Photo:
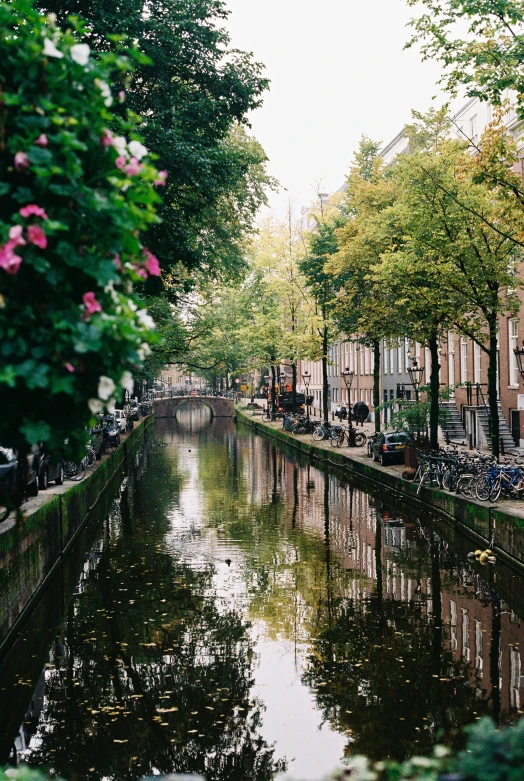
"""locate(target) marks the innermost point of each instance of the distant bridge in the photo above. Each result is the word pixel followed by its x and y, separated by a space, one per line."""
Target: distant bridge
pixel 220 407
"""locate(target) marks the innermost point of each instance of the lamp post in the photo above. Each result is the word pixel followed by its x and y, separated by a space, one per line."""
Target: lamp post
pixel 348 381
pixel 415 375
pixel 519 355
pixel 306 379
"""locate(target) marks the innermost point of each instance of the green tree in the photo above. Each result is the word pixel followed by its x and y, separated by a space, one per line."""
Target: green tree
pixel 470 261
pixel 75 201
pixel 322 244
pixel 359 307
pixel 192 96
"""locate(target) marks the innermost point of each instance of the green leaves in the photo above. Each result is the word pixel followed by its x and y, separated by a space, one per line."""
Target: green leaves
pixel 75 201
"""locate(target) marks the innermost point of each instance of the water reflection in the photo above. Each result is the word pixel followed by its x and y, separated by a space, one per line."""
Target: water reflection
pixel 241 613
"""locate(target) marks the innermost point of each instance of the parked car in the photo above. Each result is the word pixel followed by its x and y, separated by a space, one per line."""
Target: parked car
pixel 8 468
pixel 111 431
pixel 50 472
pixel 134 409
pixel 146 407
pixel 129 419
pixel 390 447
pixel 121 420
pixel 97 440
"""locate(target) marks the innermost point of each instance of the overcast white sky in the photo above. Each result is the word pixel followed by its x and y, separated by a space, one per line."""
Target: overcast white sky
pixel 337 70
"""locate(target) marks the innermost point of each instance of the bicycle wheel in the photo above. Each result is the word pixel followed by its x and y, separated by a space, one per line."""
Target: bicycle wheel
pixel 483 488
pixel 447 481
pixel 496 488
pixel 318 434
pixel 422 481
pixel 90 457
pixel 336 441
pixel 360 439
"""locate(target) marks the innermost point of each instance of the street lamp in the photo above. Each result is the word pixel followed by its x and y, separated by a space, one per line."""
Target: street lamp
pixel 519 355
pixel 415 375
pixel 306 379
pixel 348 381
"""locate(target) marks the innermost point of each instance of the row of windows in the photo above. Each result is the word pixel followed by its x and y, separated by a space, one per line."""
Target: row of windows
pixel 395 360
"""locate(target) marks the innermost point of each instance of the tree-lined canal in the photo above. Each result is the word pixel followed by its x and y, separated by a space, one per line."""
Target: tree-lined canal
pixel 241 613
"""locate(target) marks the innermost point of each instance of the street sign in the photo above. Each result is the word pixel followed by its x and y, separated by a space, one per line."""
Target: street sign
pixel 520 401
pixel 243 387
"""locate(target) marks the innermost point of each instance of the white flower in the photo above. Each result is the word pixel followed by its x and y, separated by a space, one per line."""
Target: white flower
pixel 50 49
pixel 131 304
pixel 127 382
pixel 105 90
pixel 51 18
pixel 145 320
pixel 95 405
pixel 106 388
pixel 441 751
pixel 111 407
pixel 80 53
pixel 137 149
pixel 143 351
pixel 110 290
pixel 120 144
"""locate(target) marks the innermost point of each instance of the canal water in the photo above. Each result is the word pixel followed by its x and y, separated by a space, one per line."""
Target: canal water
pixel 243 614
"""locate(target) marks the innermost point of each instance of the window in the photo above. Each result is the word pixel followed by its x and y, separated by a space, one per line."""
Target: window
pixel 479 651
pixel 451 359
pixel 463 359
pixel 386 358
pixel 465 635
pixel 392 360
pixel 513 344
pixel 515 676
pixel 476 363
pixel 366 359
pixel 473 134
pixel 453 624
pixel 401 354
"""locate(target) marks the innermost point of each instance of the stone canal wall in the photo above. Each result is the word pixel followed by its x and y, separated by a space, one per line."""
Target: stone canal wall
pixel 32 550
pixel 479 520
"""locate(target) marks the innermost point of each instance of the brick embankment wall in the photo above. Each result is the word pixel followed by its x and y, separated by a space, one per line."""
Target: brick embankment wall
pixel 478 520
pixel 33 549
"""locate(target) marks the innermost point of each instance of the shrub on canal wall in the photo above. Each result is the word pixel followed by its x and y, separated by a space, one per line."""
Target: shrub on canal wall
pixel 490 755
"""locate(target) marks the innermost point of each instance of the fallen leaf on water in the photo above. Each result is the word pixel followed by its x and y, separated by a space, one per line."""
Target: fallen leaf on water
pixel 120 741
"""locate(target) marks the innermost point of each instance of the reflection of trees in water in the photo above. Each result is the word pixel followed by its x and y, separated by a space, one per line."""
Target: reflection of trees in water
pixel 152 683
pixel 374 676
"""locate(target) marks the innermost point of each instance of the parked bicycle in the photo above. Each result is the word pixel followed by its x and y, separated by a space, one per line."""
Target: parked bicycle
pixel 353 438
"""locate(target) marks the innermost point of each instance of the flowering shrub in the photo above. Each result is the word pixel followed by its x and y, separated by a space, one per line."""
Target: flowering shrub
pixel 77 191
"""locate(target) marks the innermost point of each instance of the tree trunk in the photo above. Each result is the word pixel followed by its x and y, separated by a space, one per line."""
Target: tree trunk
pixel 376 383
pixel 294 386
pixel 273 392
pixel 434 393
pixel 325 383
pixel 492 387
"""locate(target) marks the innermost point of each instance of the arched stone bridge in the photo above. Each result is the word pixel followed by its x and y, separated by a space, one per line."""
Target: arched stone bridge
pixel 220 407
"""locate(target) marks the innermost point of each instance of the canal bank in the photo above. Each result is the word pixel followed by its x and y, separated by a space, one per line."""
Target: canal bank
pixel 486 525
pixel 33 550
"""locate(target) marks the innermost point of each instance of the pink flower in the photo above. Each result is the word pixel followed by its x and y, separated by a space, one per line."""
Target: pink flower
pixel 15 234
pixel 161 179
pixel 41 140
pixel 117 262
pixel 140 270
pixel 121 96
pixel 32 208
pixel 120 161
pixel 21 161
pixel 107 138
pixel 133 167
pixel 70 368
pixel 36 235
pixel 152 264
pixel 9 261
pixel 91 305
